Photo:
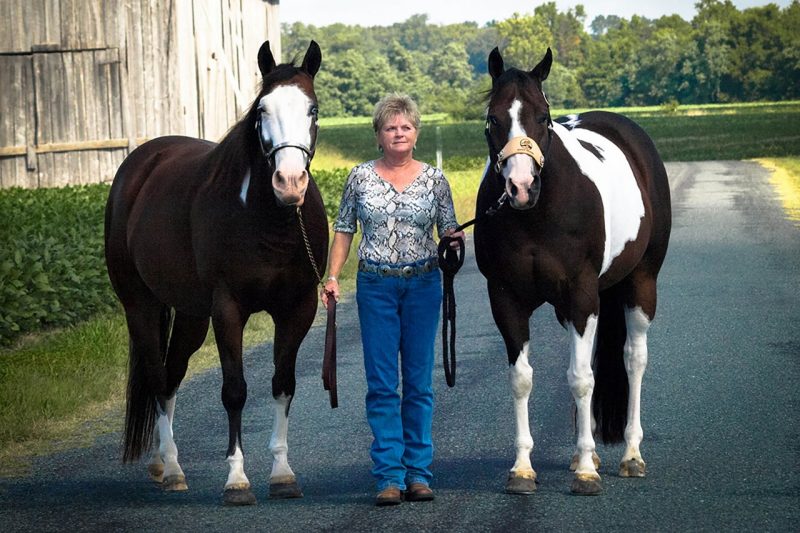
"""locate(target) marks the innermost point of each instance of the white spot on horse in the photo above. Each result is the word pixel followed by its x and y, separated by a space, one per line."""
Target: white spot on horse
pixel 623 207
pixel 245 188
pixel 521 378
pixel 278 443
pixel 281 110
pixel 635 356
pixel 286 119
pixel 236 477
pixel 581 382
pixel 573 121
pixel 519 168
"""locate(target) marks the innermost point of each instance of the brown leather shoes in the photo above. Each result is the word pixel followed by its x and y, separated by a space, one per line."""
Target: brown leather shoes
pixel 419 492
pixel 389 496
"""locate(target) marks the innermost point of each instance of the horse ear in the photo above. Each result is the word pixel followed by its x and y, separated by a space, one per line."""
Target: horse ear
pixel 312 59
pixel 265 60
pixel 542 70
pixel 495 64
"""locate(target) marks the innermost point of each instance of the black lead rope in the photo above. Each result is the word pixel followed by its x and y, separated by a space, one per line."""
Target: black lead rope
pixel 450 262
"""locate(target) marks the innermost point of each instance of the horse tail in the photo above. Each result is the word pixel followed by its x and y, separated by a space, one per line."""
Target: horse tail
pixel 610 398
pixel 140 412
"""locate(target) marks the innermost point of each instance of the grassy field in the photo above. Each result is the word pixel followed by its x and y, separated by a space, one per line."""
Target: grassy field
pixel 685 133
pixel 62 387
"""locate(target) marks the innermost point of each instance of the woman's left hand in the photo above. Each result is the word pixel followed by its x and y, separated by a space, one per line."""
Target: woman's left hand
pixel 454 235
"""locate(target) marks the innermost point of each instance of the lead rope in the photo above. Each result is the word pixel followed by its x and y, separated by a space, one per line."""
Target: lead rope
pixel 329 359
pixel 450 262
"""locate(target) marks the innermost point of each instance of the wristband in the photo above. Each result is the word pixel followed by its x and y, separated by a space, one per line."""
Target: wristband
pixel 332 278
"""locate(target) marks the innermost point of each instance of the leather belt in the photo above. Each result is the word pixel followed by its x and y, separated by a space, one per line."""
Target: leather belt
pixel 405 271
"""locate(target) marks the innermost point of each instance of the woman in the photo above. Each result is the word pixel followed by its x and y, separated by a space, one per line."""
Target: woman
pixel 397 200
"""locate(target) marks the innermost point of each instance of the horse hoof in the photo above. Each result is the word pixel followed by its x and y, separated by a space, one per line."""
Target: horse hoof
pixel 586 485
pixel 238 497
pixel 174 483
pixel 632 468
pixel 156 472
pixel 285 490
pixel 521 483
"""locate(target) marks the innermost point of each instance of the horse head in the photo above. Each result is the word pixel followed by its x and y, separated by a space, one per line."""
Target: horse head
pixel 518 122
pixel 286 121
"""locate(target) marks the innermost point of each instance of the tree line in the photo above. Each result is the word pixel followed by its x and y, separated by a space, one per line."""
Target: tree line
pixel 721 55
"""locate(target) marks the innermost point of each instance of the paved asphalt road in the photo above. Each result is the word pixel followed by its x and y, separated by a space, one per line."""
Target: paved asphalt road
pixel 720 411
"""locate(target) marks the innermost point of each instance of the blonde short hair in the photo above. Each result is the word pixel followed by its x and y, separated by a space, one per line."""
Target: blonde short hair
pixel 395 104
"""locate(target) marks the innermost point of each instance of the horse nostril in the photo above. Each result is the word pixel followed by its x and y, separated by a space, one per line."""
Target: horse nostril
pixel 514 190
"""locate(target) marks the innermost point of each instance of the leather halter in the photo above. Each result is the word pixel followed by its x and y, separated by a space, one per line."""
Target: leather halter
pixel 519 145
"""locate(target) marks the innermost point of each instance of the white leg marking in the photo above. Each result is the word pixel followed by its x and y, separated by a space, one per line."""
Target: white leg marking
pixel 237 480
pixel 521 378
pixel 635 363
pixel 278 444
pixel 167 448
pixel 581 383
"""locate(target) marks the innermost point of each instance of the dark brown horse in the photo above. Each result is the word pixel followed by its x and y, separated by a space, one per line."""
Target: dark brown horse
pixel 588 233
pixel 197 231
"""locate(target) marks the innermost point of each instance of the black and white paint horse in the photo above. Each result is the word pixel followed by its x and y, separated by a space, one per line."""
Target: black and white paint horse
pixel 198 230
pixel 588 233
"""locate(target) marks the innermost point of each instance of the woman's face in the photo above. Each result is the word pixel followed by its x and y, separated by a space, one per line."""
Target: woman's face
pixel 397 135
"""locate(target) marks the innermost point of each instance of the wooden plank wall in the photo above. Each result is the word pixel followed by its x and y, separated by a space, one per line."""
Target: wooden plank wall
pixel 84 81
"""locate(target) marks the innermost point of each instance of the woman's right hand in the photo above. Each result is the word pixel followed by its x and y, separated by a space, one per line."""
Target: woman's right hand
pixel 331 288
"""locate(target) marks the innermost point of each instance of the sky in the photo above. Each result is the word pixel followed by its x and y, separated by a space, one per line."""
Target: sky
pixel 381 13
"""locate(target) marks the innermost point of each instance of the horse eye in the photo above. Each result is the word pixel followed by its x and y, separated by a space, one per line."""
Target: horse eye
pixel 314 110
pixel 542 119
pixel 493 120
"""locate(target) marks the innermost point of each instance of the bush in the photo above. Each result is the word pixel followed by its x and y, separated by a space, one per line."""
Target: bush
pixel 331 184
pixel 52 266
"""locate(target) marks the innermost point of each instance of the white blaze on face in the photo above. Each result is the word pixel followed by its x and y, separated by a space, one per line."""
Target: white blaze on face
pixel 519 168
pixel 623 207
pixel 286 118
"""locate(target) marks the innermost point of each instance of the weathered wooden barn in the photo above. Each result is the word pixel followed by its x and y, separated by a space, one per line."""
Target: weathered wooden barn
pixel 83 82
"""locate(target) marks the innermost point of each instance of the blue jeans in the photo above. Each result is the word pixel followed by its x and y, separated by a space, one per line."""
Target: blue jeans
pixel 399 315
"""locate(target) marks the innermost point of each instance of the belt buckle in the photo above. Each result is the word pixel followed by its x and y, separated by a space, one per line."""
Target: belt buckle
pixel 384 269
pixel 407 271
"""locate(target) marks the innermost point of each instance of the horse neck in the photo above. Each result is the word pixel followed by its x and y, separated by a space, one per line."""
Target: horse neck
pixel 237 156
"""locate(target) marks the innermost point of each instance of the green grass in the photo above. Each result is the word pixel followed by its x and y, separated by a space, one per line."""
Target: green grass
pixel 685 133
pixel 52 385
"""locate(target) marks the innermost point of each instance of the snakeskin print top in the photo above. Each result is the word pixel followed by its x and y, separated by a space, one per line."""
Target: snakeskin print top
pixel 397 226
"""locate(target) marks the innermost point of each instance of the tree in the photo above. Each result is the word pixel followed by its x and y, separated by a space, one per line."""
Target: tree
pixel 525 39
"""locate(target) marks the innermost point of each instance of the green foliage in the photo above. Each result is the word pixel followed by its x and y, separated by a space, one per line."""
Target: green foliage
pixel 721 55
pixel 52 267
pixel 331 184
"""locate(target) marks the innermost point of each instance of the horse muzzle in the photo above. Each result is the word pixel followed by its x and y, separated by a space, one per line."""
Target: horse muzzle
pixel 523 195
pixel 290 189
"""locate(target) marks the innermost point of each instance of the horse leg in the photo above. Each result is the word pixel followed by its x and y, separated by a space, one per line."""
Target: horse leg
pixel 228 321
pixel 290 329
pixel 188 334
pixel 580 377
pixel 637 320
pixel 512 320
